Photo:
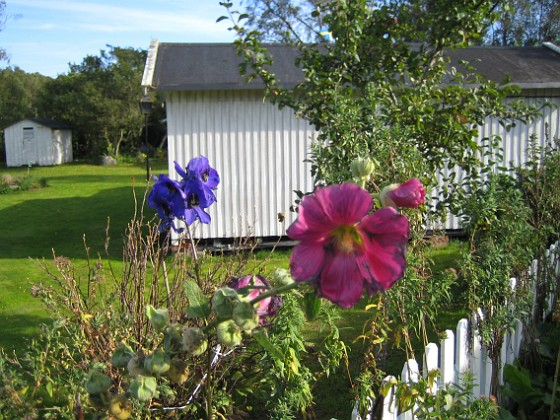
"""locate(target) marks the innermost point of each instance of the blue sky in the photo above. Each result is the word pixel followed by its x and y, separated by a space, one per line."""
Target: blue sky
pixel 44 36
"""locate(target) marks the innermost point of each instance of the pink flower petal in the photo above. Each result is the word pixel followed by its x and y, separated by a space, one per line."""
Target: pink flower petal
pixel 345 204
pixel 385 234
pixel 341 281
pixel 307 261
pixel 328 208
pixel 311 223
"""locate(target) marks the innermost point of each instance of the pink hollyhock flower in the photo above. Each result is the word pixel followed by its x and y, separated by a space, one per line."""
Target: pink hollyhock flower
pixel 250 287
pixel 410 194
pixel 343 248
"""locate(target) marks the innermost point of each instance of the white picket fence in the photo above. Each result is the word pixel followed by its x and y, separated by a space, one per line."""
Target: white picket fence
pixel 461 353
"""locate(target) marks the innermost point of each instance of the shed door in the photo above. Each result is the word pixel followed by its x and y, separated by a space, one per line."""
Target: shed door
pixel 28 141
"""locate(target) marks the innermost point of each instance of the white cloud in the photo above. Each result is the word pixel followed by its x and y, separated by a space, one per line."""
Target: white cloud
pixel 176 19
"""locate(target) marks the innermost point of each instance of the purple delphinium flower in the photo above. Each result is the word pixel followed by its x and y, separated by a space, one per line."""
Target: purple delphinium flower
pixel 344 249
pixel 196 200
pixel 187 198
pixel 250 287
pixel 199 168
pixel 168 199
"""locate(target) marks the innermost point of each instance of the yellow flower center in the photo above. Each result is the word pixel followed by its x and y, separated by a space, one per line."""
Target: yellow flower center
pixel 347 239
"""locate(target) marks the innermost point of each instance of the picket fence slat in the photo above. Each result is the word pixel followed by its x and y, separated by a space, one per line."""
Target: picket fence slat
pixel 462 351
pixel 448 358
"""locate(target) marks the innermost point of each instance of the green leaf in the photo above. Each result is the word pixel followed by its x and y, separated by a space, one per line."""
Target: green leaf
pixel 143 388
pixel 97 382
pixel 158 317
pixel 158 362
pixel 312 305
pixel 245 316
pixel 199 304
pixel 50 389
pixel 228 333
pixel 262 338
pixel 122 355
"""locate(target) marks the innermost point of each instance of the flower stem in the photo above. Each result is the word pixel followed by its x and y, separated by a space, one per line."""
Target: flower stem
pixel 209 410
pixel 195 256
pixel 193 245
pixel 277 291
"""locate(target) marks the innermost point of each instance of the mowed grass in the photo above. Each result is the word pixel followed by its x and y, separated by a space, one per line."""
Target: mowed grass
pixel 75 208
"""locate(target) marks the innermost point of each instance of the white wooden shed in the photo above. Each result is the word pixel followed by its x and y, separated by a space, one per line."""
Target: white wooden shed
pixel 40 142
pixel 260 151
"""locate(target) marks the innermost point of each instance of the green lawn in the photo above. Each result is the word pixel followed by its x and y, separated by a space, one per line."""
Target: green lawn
pixel 78 202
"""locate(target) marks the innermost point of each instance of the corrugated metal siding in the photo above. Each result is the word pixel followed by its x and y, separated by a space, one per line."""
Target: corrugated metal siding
pixel 258 151
pixel 515 141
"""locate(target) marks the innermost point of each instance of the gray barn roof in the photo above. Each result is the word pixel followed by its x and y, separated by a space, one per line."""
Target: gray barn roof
pixel 178 66
pixel 215 67
pixel 528 67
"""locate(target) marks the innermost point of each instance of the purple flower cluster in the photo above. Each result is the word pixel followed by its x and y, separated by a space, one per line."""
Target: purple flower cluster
pixel 187 199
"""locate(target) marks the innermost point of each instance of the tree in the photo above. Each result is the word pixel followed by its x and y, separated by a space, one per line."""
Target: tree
pixel 18 97
pixel 519 22
pixel 526 22
pixel 286 20
pixel 100 99
pixel 374 92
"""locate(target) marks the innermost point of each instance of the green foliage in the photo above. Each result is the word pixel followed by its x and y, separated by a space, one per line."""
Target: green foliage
pixel 452 402
pixel 539 181
pixel 125 352
pixel 502 245
pixel 18 97
pixel 47 379
pixel 284 20
pixel 531 396
pixel 374 93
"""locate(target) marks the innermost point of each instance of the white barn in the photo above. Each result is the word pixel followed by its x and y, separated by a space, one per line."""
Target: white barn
pixel 260 151
pixel 38 142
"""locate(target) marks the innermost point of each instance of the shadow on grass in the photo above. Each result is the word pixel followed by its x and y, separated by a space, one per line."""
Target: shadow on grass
pixel 17 330
pixel 35 227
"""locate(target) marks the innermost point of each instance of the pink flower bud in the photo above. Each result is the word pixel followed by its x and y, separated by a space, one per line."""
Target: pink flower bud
pixel 408 195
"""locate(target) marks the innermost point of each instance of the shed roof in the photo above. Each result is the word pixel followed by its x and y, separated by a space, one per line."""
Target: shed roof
pixel 46 122
pixel 184 66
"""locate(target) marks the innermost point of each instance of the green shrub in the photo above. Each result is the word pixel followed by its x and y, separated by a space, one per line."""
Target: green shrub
pixel 10 183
